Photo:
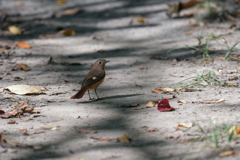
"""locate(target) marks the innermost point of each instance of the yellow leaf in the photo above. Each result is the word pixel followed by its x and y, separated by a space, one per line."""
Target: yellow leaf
pixel 189 32
pixel 230 85
pixel 15 30
pixel 23 44
pixel 124 139
pixel 235 130
pixel 182 101
pixel 4 50
pixel 141 20
pixel 68 32
pixel 227 153
pixel 61 2
pixel 23 66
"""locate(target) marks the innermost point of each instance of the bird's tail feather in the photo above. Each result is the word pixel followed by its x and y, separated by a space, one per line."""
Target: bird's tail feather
pixel 80 93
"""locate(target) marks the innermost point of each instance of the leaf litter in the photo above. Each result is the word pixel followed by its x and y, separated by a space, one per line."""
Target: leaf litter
pixel 25 89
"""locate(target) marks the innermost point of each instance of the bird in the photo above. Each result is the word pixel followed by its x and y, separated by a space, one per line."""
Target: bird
pixel 93 79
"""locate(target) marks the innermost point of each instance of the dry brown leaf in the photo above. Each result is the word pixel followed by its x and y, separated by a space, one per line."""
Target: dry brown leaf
pixel 189 33
pixel 214 101
pixel 151 104
pixel 103 139
pixel 15 30
pixel 67 32
pixel 3 50
pixel 23 130
pixel 168 89
pixel 141 68
pixel 12 122
pixel 173 135
pixel 151 129
pixel 85 131
pixel 71 11
pixel 159 58
pixel 141 20
pixel 158 90
pixel 37 131
pixel 182 101
pixel 51 127
pixel 186 125
pixel 235 130
pixel 23 44
pixel 220 58
pixel 23 66
pixel 124 139
pixel 61 2
pixel 227 153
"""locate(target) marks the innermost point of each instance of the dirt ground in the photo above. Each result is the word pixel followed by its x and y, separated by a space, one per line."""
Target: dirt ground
pixel 108 29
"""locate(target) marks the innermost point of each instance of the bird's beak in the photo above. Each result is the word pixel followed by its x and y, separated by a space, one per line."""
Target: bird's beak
pixel 107 61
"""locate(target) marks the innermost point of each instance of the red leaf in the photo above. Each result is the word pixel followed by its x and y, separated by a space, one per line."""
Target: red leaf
pixel 164 106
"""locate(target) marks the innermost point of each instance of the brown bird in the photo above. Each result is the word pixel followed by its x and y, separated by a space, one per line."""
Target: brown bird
pixel 93 79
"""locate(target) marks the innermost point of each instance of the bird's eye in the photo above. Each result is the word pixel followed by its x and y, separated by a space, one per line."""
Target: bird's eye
pixel 99 62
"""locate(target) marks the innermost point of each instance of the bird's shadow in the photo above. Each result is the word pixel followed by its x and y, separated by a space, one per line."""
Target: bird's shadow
pixel 110 97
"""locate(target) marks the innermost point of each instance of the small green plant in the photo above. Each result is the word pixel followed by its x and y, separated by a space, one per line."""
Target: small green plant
pixel 208 77
pixel 217 135
pixel 204 42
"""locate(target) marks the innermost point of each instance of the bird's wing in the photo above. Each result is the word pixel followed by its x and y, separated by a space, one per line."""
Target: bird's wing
pixel 93 78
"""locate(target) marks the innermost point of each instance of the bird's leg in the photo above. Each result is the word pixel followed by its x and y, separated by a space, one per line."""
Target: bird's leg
pixel 96 93
pixel 89 95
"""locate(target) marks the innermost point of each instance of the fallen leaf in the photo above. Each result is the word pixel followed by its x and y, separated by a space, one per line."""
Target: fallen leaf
pixel 159 58
pixel 51 127
pixel 70 151
pixel 3 50
pixel 36 131
pixel 23 66
pixel 151 104
pixel 168 90
pixel 85 131
pixel 173 135
pixel 227 153
pixel 103 139
pixel 220 58
pixel 182 101
pixel 23 44
pixel 141 68
pixel 158 90
pixel 67 32
pixel 230 85
pixel 15 30
pixel 235 130
pixel 141 20
pixel 11 143
pixel 23 130
pixel 164 106
pixel 171 96
pixel 61 2
pixel 124 139
pixel 213 101
pixel 186 125
pixel 189 33
pixel 151 129
pixel 24 89
pixel 12 122
pixel 177 75
pixel 1 137
pixel 68 12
